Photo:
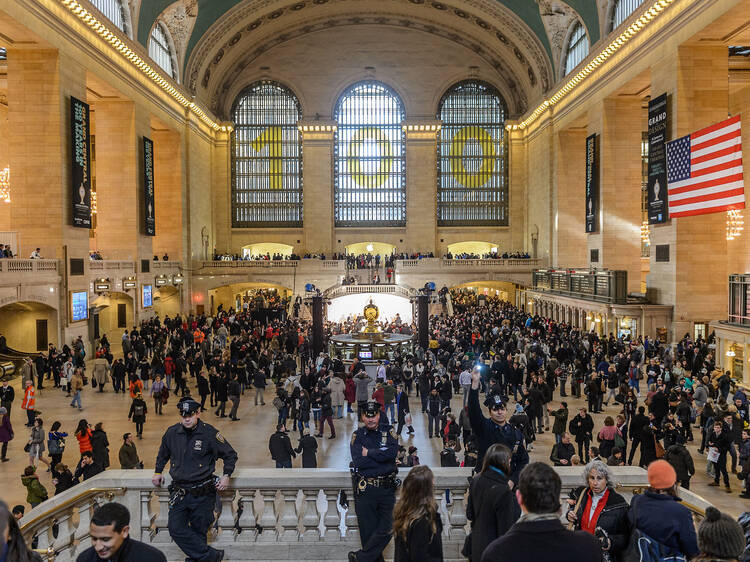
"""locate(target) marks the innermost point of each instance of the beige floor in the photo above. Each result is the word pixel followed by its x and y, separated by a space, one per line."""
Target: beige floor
pixel 249 437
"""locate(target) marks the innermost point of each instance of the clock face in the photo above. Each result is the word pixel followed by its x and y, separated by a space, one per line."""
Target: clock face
pixel 371 312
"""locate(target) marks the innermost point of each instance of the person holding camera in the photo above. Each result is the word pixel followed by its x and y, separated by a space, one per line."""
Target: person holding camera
pixel 597 509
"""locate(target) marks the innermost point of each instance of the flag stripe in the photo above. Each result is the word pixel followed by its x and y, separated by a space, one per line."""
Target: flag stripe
pixel 722 187
pixel 706 177
pixel 730 149
pixel 710 197
pixel 701 209
pixel 707 145
pixel 708 130
pixel 705 184
pixel 720 168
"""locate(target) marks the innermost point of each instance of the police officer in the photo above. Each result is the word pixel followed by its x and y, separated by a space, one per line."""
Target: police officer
pixel 496 429
pixel 192 447
pixel 374 447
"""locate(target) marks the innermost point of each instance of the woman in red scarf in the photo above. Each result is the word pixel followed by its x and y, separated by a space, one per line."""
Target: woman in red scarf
pixel 597 509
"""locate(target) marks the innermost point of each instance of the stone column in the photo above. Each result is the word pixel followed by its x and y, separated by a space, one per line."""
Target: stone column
pixel 120 128
pixel 569 213
pixel 694 280
pixel 421 186
pixel 168 184
pixel 317 194
pixel 618 121
pixel 38 145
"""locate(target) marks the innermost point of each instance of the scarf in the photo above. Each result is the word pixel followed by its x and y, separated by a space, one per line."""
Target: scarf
pixel 588 521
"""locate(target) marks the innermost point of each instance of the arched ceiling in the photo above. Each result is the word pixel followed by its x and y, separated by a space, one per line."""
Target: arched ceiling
pixel 520 39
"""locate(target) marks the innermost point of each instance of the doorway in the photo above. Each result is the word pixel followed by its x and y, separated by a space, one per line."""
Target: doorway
pixel 41 335
pixel 121 315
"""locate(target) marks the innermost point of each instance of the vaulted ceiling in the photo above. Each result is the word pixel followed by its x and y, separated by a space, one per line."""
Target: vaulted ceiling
pixel 520 39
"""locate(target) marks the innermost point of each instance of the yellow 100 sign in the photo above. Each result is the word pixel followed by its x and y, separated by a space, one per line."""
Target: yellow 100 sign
pixel 458 169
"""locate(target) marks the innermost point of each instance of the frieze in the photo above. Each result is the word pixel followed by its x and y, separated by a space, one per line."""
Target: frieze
pixel 180 19
pixel 557 18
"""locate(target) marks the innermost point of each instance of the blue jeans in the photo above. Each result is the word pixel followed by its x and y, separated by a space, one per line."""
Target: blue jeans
pixel 283 414
pixel 77 399
pixel 390 410
pixel 340 411
pixel 633 383
pixel 284 464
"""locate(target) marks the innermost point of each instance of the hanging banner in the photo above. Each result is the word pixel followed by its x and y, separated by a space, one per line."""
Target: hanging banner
pixel 148 186
pixel 592 184
pixel 658 207
pixel 81 170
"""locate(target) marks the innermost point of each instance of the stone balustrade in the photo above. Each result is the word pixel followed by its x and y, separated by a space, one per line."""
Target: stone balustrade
pixel 388 289
pixel 292 514
pixel 434 264
pixel 165 265
pixel 22 266
pixel 112 265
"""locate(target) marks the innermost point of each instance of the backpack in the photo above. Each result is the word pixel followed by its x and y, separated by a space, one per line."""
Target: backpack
pixel 138 410
pixel 643 548
pixel 278 403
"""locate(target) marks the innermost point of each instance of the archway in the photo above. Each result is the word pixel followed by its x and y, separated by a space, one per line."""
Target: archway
pixel 167 301
pixel 28 326
pixel 473 247
pixel 244 296
pixel 266 248
pixel 373 248
pixel 116 315
pixel 491 289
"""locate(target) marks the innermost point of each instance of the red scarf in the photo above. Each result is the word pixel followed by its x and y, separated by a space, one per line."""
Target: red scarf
pixel 588 524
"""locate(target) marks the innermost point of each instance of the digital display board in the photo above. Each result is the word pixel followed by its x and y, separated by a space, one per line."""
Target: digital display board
pixel 365 354
pixel 79 305
pixel 148 295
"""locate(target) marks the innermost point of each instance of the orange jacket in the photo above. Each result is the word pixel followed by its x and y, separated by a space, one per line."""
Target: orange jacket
pixel 136 386
pixel 29 398
pixel 198 337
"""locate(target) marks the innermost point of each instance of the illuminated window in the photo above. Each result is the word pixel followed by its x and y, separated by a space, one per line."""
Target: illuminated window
pixel 115 10
pixel 578 48
pixel 266 157
pixel 472 157
pixel 622 9
pixel 160 51
pixel 369 159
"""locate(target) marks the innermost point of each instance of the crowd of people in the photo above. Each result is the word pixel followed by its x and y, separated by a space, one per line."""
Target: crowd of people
pixel 496 355
pixel 488 256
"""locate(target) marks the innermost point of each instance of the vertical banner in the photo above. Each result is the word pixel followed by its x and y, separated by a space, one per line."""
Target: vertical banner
pixel 658 207
pixel 81 172
pixel 592 184
pixel 148 186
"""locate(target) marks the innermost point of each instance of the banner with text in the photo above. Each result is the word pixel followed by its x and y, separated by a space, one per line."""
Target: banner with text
pixel 658 207
pixel 148 186
pixel 592 184
pixel 81 172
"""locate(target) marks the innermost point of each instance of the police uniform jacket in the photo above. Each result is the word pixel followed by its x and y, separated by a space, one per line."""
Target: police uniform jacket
pixel 192 453
pixel 382 447
pixel 488 433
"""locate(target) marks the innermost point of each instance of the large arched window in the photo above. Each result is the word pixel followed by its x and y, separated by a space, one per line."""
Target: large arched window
pixel 577 48
pixel 621 10
pixel 369 160
pixel 472 156
pixel 115 10
pixel 266 157
pixel 160 50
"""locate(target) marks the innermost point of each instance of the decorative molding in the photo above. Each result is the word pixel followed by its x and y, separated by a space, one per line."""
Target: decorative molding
pixel 557 17
pixel 180 19
pixel 246 18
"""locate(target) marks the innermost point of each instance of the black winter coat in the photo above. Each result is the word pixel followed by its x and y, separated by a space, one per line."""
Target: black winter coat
pixel 679 457
pixel 492 510
pixel 581 427
pixel 613 517
pixel 308 446
pixel 280 447
pixel 221 390
pixel 100 448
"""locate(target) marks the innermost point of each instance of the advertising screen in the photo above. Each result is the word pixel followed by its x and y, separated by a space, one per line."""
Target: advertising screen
pixel 147 292
pixel 79 305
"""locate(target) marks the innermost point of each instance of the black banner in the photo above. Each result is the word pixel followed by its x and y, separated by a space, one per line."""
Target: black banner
pixel 658 205
pixel 148 186
pixel 81 172
pixel 592 184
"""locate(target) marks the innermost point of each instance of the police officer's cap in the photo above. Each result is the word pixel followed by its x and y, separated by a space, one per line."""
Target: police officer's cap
pixel 371 410
pixel 188 406
pixel 495 401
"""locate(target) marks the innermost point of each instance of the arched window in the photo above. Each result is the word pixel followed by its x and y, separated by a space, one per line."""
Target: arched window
pixel 160 51
pixel 266 157
pixel 369 158
pixel 621 10
pixel 577 49
pixel 115 12
pixel 472 156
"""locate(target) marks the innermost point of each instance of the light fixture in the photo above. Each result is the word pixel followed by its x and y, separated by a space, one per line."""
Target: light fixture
pixel 5 185
pixel 129 283
pixel 160 280
pixel 645 234
pixel 735 224
pixel 369 248
pixel 178 279
pixel 597 319
pixel 530 302
pixel 589 317
pixel 731 353
pixel 93 202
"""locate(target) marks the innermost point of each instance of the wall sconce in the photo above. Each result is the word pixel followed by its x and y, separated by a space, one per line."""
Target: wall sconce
pixel 129 283
pixel 5 185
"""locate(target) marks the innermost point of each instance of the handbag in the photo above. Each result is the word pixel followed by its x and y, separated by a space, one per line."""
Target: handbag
pixel 27 448
pixel 407 419
pixel 93 382
pixel 619 441
pixel 658 448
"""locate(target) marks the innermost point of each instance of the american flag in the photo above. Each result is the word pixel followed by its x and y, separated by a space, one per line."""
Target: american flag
pixel 704 170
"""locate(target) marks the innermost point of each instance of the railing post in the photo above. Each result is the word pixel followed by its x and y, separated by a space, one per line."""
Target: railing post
pixel 310 518
pixel 288 518
pixel 457 517
pixel 332 518
pixel 147 518
pixel 64 531
pixel 247 520
pixel 161 521
pixel 226 517
pixel 268 516
pixel 352 526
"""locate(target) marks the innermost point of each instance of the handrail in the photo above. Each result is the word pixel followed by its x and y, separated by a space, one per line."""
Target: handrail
pixel 70 501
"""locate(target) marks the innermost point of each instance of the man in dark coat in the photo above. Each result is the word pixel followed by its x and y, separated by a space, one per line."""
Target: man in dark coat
pixel 402 408
pixel 563 451
pixel 308 446
pixel 679 457
pixel 581 426
pixel 539 534
pixel 637 423
pixel 659 405
pixel 281 447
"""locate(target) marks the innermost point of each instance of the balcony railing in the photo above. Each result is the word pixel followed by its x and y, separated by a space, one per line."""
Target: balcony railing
pixel 162 265
pixel 19 266
pixel 267 513
pixel 101 265
pixel 387 289
pixel 438 263
pixel 333 265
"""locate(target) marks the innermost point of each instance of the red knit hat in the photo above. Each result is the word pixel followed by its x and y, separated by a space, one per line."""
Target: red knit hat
pixel 661 475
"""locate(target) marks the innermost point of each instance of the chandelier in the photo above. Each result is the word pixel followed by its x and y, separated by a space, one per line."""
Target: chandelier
pixel 5 185
pixel 735 224
pixel 93 202
pixel 645 236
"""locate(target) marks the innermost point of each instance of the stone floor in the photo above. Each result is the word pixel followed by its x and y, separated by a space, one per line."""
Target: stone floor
pixel 249 437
